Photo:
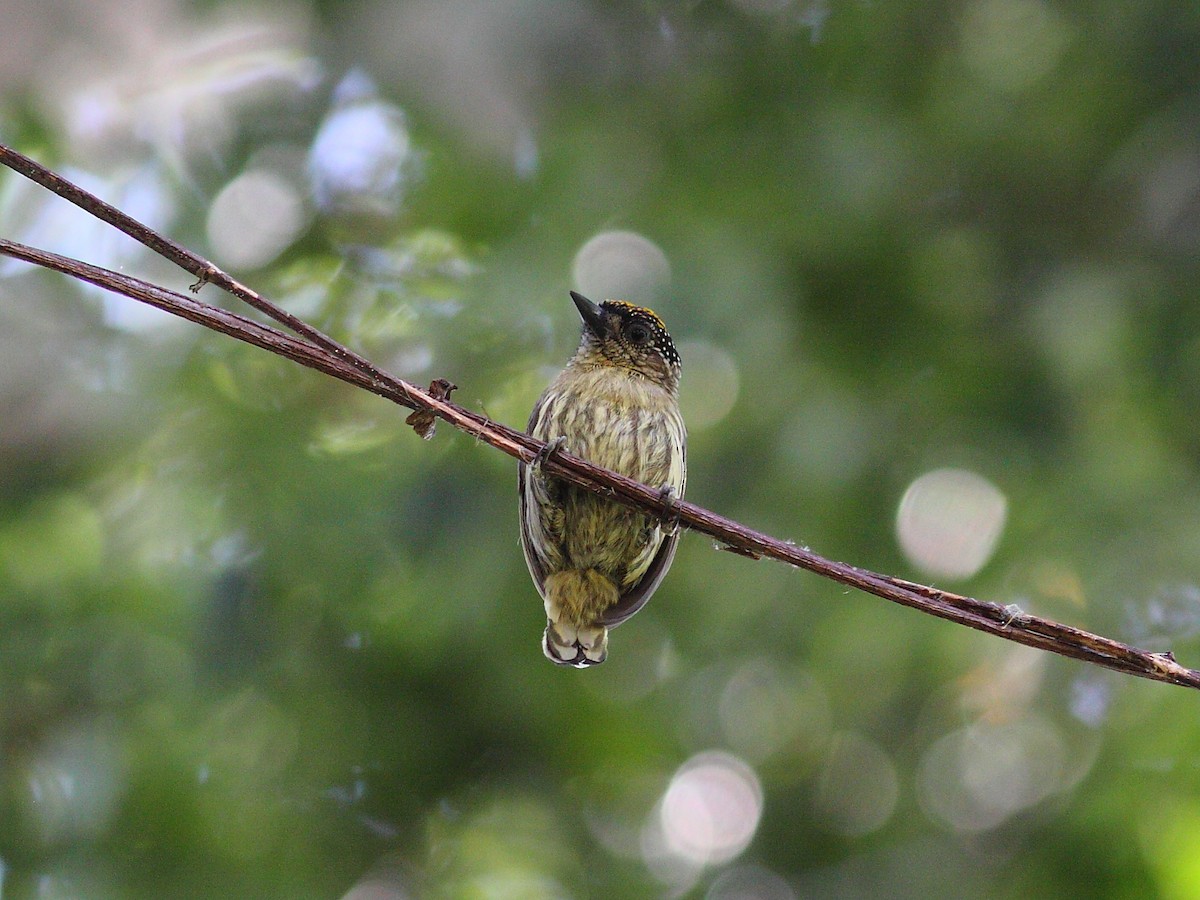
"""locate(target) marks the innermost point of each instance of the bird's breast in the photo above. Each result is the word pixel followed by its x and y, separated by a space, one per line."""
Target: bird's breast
pixel 620 421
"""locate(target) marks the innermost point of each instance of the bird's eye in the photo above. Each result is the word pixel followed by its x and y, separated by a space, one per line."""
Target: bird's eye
pixel 638 333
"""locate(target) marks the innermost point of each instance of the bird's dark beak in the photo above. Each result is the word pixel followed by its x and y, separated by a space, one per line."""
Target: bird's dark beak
pixel 591 314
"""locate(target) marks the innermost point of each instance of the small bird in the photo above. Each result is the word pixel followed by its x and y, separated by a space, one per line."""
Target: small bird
pixel 616 404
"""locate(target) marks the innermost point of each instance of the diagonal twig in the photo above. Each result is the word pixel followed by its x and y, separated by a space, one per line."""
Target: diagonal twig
pixel 205 271
pixel 317 351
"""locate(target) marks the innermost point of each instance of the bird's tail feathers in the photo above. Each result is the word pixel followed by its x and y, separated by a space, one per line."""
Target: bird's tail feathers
pixel 575 600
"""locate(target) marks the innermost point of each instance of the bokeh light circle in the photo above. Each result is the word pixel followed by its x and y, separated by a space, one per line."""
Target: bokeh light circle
pixel 361 155
pixel 709 386
pixel 977 777
pixel 858 787
pixel 1011 45
pixel 253 219
pixel 950 521
pixel 621 265
pixel 711 808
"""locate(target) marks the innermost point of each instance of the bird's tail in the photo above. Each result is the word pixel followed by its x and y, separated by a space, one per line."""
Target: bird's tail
pixel 575 600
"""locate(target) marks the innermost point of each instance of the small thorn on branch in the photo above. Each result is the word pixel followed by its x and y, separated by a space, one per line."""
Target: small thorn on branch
pixel 738 551
pixel 424 421
pixel 203 278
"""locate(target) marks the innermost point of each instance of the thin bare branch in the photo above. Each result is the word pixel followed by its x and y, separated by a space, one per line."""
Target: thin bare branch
pixel 320 352
pixel 206 272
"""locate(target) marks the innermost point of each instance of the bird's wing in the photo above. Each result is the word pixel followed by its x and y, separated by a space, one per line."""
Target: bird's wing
pixel 639 594
pixel 530 522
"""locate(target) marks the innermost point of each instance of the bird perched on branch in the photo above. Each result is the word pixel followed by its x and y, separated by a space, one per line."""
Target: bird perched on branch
pixel 616 404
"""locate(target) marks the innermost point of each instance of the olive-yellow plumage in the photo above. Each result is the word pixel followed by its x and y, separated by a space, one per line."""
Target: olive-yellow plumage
pixel 616 404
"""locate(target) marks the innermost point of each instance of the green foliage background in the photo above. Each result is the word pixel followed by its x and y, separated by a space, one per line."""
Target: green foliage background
pixel 258 640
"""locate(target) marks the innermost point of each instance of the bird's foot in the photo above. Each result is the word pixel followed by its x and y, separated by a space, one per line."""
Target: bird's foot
pixel 669 520
pixel 554 445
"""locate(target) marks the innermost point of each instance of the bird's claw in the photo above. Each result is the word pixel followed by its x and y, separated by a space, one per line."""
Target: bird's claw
pixel 669 520
pixel 552 446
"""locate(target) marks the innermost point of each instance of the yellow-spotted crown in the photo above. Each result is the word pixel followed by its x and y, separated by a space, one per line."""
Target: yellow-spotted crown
pixel 633 337
pixel 595 562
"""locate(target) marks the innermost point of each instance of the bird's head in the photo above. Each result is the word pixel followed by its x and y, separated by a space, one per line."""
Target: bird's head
pixel 617 333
